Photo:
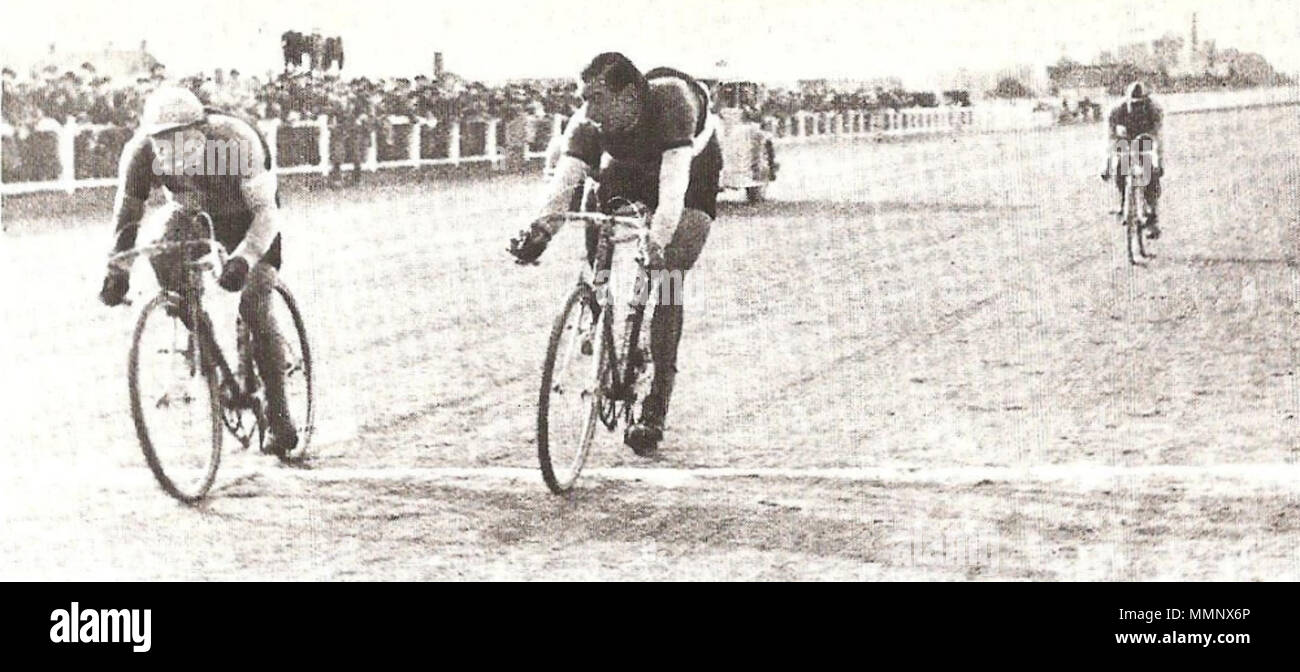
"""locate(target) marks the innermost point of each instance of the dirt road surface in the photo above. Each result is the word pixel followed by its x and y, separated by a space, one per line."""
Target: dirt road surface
pixel 926 360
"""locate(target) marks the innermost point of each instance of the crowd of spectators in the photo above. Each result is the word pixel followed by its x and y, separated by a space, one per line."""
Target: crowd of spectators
pixel 357 108
pixel 35 107
pixel 90 99
pixel 783 103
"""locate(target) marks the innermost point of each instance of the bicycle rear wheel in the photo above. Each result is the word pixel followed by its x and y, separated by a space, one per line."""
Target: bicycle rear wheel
pixel 577 362
pixel 174 400
pixel 299 383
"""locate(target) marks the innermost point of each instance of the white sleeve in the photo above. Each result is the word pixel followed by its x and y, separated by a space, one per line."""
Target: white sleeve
pixel 259 194
pixel 674 178
pixel 569 174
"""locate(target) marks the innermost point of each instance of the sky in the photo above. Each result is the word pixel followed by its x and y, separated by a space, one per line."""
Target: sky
pixel 770 40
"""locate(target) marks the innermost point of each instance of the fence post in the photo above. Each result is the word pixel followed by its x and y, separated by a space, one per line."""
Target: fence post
pixel 413 145
pixel 68 155
pixel 490 142
pixel 372 152
pixel 453 143
pixel 323 143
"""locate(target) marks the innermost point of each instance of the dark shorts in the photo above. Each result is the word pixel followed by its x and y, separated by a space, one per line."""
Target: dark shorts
pixel 229 231
pixel 640 182
pixel 685 247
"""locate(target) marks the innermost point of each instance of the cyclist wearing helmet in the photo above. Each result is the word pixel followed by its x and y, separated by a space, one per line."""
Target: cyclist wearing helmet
pixel 212 163
pixel 1137 114
pixel 663 151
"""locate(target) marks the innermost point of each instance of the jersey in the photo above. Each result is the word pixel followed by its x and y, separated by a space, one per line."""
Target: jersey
pixel 1143 116
pixel 215 180
pixel 675 116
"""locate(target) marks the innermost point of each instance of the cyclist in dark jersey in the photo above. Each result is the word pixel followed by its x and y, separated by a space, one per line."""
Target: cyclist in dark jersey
pixel 220 165
pixel 1136 115
pixel 663 151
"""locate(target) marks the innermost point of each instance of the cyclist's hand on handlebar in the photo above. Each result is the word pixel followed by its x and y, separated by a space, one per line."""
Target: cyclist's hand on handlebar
pixel 116 284
pixel 235 274
pixel 529 244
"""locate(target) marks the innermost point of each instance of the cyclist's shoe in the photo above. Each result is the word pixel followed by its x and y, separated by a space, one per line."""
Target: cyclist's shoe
pixel 1153 231
pixel 280 442
pixel 643 438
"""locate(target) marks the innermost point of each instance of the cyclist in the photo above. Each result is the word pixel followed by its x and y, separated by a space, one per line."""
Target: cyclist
pixel 664 152
pixel 177 147
pixel 1135 115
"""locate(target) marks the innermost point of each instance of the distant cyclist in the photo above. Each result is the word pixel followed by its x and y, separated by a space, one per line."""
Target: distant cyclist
pixel 177 148
pixel 1136 115
pixel 664 152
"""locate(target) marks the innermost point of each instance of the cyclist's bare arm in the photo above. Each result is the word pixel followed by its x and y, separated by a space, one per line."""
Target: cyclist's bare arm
pixel 135 180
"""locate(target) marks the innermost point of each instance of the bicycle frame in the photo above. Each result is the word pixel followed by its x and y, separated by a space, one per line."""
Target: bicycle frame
pixel 190 297
pixel 1133 209
pixel 636 229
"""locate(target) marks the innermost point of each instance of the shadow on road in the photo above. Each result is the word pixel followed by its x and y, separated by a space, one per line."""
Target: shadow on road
pixel 808 208
pixel 1197 260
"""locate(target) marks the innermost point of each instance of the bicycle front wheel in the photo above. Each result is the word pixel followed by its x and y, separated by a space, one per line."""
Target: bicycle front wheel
pixel 1131 229
pixel 577 361
pixel 174 400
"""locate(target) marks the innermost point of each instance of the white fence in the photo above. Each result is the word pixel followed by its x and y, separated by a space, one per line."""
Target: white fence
pixel 813 126
pixel 66 138
pixel 1205 101
pixel 801 127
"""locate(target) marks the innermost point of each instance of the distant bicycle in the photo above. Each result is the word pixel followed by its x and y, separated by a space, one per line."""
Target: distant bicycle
pixel 590 375
pixel 183 390
pixel 1134 211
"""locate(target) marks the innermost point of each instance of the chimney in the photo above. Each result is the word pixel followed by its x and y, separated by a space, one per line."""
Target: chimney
pixel 144 45
pixel 437 65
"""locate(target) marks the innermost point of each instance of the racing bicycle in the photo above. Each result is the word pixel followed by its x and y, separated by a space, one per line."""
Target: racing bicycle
pixel 1137 174
pixel 184 393
pixel 591 374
